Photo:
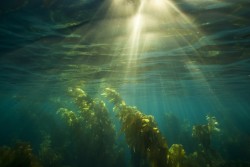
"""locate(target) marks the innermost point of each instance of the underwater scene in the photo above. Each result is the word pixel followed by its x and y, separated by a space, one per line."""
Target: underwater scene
pixel 124 83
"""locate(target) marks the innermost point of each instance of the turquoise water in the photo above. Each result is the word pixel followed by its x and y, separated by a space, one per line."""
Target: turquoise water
pixel 179 61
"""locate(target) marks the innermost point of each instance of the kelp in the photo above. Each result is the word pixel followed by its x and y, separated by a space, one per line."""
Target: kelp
pixel 144 138
pixel 21 155
pixel 212 124
pixel 47 155
pixel 87 138
pixel 90 131
pixel 141 131
pixel 203 132
pixel 176 155
pixel 205 154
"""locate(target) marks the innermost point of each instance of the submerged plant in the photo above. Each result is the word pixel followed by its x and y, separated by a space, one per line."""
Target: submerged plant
pixel 212 124
pixel 141 131
pixel 69 116
pixel 176 155
pixel 47 155
pixel 21 155
pixel 205 155
pixel 90 131
pixel 202 134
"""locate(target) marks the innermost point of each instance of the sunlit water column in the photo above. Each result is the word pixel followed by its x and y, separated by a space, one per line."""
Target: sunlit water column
pixel 150 27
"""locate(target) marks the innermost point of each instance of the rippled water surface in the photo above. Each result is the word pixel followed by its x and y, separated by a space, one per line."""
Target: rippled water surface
pixel 178 61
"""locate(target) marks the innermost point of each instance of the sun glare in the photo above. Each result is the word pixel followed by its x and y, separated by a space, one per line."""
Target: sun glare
pixel 143 27
pixel 158 3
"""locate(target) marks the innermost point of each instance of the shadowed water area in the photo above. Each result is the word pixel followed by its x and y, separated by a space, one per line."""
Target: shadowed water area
pixel 65 65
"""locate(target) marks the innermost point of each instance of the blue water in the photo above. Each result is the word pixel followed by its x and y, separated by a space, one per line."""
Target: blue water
pixel 178 61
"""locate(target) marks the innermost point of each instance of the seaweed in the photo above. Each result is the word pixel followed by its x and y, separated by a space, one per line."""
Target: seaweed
pixel 203 132
pixel 21 155
pixel 141 131
pixel 212 124
pixel 176 155
pixel 205 154
pixel 47 155
pixel 90 132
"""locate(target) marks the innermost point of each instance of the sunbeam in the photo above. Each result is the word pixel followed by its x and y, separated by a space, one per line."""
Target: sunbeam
pixel 150 26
